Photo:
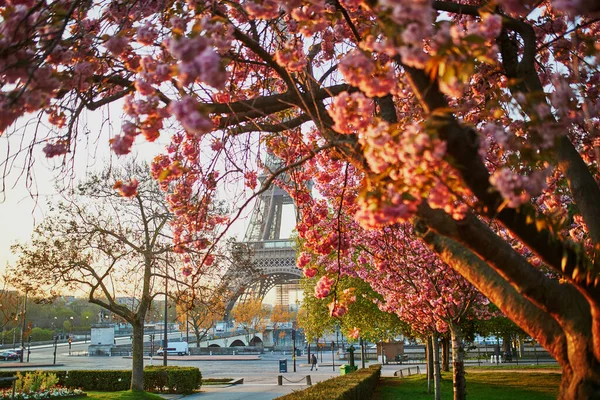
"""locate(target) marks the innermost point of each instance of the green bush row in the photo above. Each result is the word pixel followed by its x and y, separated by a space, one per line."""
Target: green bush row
pixel 357 385
pixel 156 379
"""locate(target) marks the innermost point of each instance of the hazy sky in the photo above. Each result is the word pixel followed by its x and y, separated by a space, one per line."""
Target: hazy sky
pixel 23 208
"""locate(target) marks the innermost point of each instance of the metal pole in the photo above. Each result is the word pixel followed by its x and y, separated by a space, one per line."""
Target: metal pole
pixel 333 355
pixel 55 345
pixel 362 353
pixel 294 347
pixel 187 327
pixel 28 347
pixel 165 339
pixel 23 326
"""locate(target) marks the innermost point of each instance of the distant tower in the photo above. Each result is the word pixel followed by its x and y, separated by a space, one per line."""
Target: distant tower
pixel 271 260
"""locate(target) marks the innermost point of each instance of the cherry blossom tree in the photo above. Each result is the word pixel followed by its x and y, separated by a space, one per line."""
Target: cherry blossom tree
pixel 475 120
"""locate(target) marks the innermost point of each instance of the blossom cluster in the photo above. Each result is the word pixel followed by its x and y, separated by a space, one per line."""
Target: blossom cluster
pixel 374 79
pixel 188 113
pixel 291 56
pixel 198 61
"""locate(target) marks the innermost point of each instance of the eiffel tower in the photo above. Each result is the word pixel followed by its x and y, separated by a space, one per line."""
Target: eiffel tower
pixel 264 259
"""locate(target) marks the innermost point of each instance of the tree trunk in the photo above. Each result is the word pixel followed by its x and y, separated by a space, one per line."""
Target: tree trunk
pixel 436 368
pixel 567 334
pixel 137 362
pixel 520 355
pixel 581 376
pixel 445 354
pixel 458 364
pixel 507 344
pixel 429 357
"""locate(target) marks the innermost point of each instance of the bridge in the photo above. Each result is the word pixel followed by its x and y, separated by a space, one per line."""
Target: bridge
pixel 235 340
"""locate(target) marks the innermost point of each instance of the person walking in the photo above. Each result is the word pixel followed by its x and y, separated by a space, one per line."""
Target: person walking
pixel 313 362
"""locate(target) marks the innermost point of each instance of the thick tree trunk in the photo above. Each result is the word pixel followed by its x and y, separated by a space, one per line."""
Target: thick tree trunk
pixel 437 373
pixel 429 357
pixel 581 376
pixel 137 363
pixel 458 364
pixel 567 335
pixel 445 354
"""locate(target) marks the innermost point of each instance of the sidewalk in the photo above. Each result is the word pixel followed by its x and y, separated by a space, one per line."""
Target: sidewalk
pixel 28 365
pixel 205 358
pixel 261 387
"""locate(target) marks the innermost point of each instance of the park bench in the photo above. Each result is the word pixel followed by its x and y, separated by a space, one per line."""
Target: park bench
pixel 14 382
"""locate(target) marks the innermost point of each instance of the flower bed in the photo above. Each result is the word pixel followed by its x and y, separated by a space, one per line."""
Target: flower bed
pixel 53 393
pixel 38 385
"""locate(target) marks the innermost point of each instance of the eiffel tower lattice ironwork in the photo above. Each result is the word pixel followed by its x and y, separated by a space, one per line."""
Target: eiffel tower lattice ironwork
pixel 271 260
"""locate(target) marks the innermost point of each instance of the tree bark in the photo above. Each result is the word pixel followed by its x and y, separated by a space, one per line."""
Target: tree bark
pixel 429 356
pixel 137 362
pixel 445 354
pixel 458 364
pixel 437 373
pixel 562 334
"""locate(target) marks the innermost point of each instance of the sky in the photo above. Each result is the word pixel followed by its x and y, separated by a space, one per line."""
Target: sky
pixel 24 201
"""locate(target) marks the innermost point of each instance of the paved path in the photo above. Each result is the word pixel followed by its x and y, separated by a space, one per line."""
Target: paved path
pixel 262 387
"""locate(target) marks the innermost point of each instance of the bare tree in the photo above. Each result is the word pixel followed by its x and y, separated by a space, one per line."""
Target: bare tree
pixel 109 245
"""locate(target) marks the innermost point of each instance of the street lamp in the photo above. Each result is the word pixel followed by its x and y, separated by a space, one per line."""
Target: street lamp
pixel 87 323
pixel 70 333
pixel 23 326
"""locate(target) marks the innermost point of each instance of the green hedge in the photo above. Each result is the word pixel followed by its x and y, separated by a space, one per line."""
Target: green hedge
pixel 357 385
pixel 172 379
pixel 156 379
pixel 100 380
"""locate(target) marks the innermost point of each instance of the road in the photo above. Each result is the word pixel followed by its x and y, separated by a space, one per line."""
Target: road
pixel 260 376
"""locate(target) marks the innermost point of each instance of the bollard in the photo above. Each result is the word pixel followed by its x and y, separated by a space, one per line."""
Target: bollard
pixel 308 380
pixel 279 380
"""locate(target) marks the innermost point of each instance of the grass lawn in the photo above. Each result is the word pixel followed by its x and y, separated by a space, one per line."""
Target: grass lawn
pixel 124 395
pixel 483 386
pixel 514 366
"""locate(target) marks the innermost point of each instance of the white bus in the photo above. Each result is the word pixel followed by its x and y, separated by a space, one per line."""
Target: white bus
pixel 175 348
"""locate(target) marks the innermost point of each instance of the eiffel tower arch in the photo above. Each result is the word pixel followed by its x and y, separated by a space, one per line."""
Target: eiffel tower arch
pixel 265 259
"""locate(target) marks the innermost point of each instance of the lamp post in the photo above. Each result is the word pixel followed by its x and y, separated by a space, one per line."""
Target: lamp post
pixel 294 347
pixel 165 342
pixel 23 326
pixel 87 324
pixel 55 345
pixel 333 355
pixel 70 333
pixel 187 326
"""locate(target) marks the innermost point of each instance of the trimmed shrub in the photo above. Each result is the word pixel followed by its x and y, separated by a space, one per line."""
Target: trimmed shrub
pixel 172 379
pixel 156 379
pixel 101 380
pixel 359 385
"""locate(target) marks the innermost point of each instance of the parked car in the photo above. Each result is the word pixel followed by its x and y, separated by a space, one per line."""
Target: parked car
pixel 9 355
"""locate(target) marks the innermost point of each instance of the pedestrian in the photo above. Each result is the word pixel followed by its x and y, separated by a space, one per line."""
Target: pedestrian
pixel 313 362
